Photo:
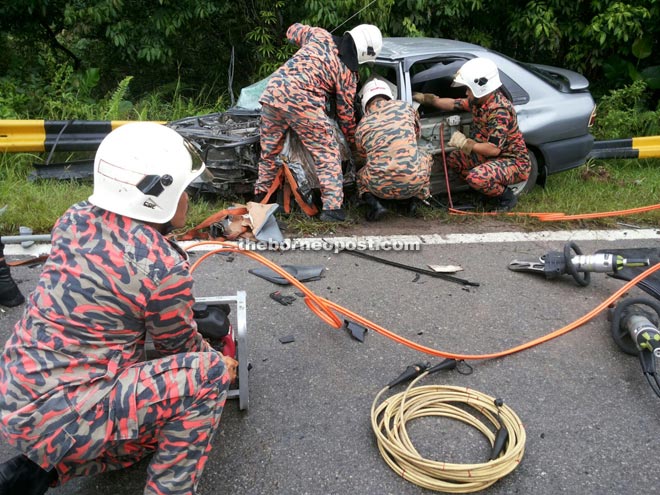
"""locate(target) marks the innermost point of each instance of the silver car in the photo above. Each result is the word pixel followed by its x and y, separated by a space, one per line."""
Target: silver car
pixel 554 107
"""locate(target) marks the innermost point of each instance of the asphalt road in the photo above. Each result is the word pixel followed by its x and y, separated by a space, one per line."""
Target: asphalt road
pixel 588 413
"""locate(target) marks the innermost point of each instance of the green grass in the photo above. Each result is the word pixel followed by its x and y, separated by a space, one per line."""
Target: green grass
pixel 601 186
pixel 595 187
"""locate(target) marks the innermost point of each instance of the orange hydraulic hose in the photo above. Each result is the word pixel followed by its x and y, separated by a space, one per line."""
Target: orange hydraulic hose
pixel 323 308
pixel 543 217
pixel 562 217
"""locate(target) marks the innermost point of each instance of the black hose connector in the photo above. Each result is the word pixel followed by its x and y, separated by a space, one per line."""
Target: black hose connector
pixel 502 434
pixel 647 360
pixel 500 441
pixel 447 364
pixel 411 372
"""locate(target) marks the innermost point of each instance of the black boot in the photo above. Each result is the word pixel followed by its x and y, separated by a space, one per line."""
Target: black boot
pixel 10 295
pixel 507 200
pixel 411 207
pixel 376 210
pixel 259 196
pixel 337 215
pixel 20 476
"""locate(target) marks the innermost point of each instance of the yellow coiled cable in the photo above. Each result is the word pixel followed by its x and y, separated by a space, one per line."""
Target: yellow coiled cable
pixel 389 418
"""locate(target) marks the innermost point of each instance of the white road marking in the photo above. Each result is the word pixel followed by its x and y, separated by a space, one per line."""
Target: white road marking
pixel 421 240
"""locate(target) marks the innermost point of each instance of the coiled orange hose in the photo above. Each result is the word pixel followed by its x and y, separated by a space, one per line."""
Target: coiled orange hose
pixel 325 309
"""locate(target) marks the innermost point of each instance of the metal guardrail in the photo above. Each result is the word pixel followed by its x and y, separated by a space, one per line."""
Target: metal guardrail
pixel 636 147
pixel 86 135
pixel 60 135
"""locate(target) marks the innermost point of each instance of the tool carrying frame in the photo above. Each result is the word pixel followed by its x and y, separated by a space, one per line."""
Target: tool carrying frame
pixel 242 392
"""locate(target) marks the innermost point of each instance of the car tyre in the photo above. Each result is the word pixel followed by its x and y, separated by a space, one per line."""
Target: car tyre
pixel 526 186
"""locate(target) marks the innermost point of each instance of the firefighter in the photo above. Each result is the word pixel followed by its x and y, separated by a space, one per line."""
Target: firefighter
pixel 324 67
pixel 78 397
pixel 386 139
pixel 495 155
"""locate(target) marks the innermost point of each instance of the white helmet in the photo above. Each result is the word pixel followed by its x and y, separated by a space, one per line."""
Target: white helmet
pixel 480 75
pixel 368 42
pixel 141 169
pixel 371 89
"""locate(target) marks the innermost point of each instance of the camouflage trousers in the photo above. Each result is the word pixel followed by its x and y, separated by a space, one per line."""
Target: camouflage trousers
pixel 177 403
pixel 486 175
pixel 397 182
pixel 317 134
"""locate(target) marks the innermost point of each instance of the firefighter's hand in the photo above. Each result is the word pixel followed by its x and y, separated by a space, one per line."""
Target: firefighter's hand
pixel 231 364
pixel 457 140
pixel 418 97
pixel 424 98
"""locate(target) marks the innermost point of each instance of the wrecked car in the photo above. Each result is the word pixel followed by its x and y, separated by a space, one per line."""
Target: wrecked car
pixel 554 106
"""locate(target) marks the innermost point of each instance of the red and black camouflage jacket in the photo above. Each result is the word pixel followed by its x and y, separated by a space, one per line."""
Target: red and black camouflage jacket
pixel 108 282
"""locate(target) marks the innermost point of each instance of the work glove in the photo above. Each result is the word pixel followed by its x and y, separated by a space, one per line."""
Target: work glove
pixel 458 140
pixel 418 97
pixel 424 98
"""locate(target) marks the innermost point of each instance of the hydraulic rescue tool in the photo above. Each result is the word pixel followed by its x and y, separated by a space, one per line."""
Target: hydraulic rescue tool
pixel 571 261
pixel 634 326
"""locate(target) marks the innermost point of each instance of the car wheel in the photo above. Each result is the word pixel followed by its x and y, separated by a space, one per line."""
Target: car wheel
pixel 527 185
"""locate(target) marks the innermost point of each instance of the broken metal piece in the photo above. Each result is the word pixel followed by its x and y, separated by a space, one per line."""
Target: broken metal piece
pixel 281 298
pixel 358 332
pixel 446 268
pixel 287 339
pixel 303 273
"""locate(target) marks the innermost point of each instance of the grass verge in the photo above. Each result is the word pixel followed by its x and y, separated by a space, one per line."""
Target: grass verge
pixel 598 186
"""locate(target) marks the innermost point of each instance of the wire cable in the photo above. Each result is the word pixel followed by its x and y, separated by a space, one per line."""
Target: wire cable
pixel 390 417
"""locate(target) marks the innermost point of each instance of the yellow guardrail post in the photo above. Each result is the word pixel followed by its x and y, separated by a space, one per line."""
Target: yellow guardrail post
pixel 22 135
pixel 648 146
pixel 64 135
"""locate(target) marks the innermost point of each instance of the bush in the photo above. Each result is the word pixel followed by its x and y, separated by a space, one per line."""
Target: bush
pixel 625 113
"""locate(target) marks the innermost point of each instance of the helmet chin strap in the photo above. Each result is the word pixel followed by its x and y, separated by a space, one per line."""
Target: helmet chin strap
pixel 165 228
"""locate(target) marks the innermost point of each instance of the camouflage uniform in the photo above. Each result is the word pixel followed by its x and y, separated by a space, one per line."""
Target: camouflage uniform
pixel 395 167
pixel 76 392
pixel 295 98
pixel 493 121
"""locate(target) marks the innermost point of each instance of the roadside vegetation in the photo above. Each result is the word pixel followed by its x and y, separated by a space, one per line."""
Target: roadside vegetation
pixel 140 60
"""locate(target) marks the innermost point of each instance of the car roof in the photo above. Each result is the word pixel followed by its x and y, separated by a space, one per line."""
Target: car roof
pixel 398 48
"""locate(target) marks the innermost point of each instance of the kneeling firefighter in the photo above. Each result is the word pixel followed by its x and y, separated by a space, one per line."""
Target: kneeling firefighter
pixel 495 155
pixel 79 397
pixel 386 140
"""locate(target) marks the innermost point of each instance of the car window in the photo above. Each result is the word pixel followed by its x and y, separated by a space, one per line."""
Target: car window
pixel 436 76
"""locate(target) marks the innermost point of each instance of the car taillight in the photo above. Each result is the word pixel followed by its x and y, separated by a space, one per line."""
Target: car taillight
pixel 592 117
